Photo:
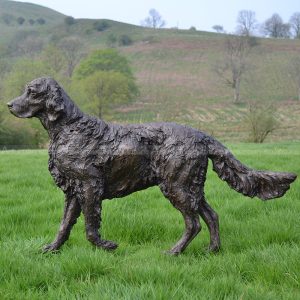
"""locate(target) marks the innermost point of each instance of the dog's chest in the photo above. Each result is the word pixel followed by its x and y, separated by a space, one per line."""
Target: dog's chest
pixel 73 156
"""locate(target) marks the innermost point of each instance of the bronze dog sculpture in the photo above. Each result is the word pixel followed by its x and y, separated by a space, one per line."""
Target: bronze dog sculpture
pixel 91 160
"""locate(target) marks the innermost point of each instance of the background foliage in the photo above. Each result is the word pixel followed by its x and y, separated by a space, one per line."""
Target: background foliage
pixel 170 73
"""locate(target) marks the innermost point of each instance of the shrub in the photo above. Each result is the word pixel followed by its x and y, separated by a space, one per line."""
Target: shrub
pixel 260 121
pixel 20 20
pixel 69 20
pixel 111 40
pixel 101 25
pixel 41 21
pixel 125 40
pixel 7 18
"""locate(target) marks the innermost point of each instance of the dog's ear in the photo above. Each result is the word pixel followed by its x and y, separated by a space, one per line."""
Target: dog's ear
pixel 55 104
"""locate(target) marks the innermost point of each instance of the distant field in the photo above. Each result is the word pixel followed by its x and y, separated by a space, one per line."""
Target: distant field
pixel 224 121
pixel 177 83
pixel 260 256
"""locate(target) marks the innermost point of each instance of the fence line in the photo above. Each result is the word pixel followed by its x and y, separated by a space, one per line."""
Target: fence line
pixel 18 147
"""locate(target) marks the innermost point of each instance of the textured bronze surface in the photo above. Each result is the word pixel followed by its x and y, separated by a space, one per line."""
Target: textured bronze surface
pixel 91 160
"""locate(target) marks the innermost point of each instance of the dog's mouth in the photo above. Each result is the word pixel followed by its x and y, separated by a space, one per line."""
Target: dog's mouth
pixel 11 108
pixel 17 114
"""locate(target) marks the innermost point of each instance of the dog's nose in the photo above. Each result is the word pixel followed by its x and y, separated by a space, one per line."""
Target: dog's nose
pixel 10 105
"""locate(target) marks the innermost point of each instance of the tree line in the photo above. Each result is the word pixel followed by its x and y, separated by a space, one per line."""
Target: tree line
pixel 247 24
pixel 9 19
pixel 273 27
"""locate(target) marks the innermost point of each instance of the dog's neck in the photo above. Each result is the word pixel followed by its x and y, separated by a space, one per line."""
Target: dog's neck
pixel 69 115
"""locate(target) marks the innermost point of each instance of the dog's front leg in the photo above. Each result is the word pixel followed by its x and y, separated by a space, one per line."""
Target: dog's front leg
pixel 91 208
pixel 71 213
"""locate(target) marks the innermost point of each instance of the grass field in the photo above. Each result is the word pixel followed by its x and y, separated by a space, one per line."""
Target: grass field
pixel 260 256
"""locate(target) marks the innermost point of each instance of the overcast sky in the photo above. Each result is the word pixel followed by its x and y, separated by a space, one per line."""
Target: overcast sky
pixel 183 13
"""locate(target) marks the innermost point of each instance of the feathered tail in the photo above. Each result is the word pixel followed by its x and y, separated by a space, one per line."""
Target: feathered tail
pixel 263 184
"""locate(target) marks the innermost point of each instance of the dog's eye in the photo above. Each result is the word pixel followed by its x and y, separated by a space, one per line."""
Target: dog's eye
pixel 31 92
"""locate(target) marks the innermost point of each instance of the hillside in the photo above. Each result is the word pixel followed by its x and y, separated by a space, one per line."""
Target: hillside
pixel 174 71
pixel 179 84
pixel 32 15
pixel 27 11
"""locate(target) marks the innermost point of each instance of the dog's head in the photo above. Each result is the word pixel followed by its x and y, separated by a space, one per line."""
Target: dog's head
pixel 41 96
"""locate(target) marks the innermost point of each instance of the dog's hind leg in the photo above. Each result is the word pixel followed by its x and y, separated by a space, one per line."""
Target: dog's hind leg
pixel 182 201
pixel 192 228
pixel 71 213
pixel 211 219
pixel 91 208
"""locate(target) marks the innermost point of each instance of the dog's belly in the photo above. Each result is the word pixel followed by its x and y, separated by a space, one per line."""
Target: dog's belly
pixel 127 173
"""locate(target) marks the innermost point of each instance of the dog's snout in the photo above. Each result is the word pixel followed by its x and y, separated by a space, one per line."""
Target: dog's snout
pixel 10 105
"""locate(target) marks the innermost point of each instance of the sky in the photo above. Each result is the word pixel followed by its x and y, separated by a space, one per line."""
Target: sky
pixel 182 14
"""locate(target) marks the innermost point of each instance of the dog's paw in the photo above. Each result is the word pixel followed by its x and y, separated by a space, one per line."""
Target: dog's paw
pixel 50 248
pixel 214 248
pixel 172 252
pixel 107 245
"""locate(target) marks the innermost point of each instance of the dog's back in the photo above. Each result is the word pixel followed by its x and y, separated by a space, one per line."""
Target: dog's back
pixel 137 156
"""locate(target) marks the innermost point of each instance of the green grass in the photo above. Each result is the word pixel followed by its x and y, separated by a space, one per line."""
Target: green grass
pixel 260 256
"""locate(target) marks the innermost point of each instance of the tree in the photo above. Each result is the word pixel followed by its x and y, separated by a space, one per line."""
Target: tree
pixel 294 73
pixel 101 25
pixel 295 24
pixel 218 28
pixel 5 67
pixel 20 20
pixel 235 62
pixel 103 89
pixel 25 43
pixel 103 60
pixel 106 79
pixel 286 31
pixel 154 20
pixel 54 59
pixel 41 21
pixel 246 22
pixel 261 121
pixel 31 46
pixel 23 71
pixel 111 40
pixel 69 20
pixel 274 27
pixel 72 49
pixel 125 40
pixel 7 18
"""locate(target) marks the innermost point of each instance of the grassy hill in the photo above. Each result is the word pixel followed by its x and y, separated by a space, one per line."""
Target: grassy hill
pixel 174 71
pixel 10 11
pixel 178 83
pixel 28 11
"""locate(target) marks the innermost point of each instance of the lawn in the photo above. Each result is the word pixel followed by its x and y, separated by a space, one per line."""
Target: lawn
pixel 260 256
